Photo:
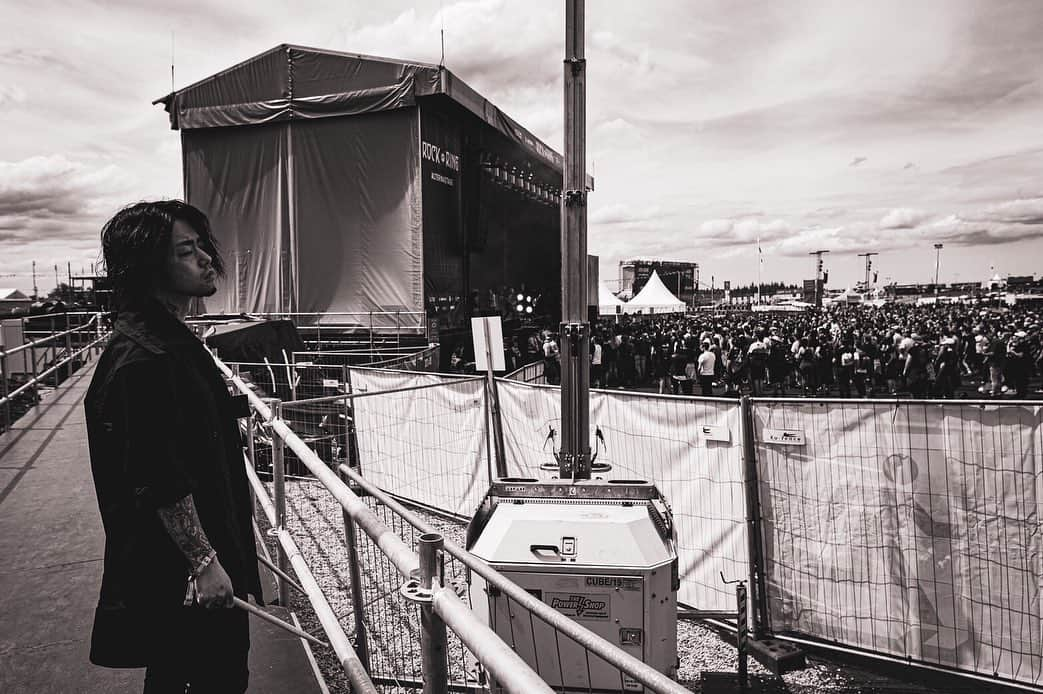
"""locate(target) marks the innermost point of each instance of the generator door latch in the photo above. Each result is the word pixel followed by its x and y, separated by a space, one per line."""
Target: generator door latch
pixel 568 546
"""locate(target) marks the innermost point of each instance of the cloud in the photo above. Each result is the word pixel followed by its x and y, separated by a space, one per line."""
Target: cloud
pixel 903 218
pixel 745 229
pixel 623 213
pixel 55 197
pixel 1020 211
pixel 11 94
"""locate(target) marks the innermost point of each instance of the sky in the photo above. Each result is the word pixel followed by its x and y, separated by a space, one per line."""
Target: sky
pixel 885 126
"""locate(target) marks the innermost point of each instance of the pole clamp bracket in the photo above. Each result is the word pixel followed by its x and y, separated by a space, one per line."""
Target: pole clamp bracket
pixel 575 198
pixel 412 591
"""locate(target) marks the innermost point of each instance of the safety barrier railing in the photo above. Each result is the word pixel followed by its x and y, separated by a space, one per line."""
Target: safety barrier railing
pixel 64 348
pixel 473 658
pixel 439 605
pixel 904 529
pixel 532 372
pixel 739 490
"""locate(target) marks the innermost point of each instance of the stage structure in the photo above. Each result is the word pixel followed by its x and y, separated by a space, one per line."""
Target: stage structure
pixel 338 182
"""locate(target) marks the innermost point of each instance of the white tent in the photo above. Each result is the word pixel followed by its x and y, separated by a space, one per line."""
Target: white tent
pixel 607 301
pixel 653 298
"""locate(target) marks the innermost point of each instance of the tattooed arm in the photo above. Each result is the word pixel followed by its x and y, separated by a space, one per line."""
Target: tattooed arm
pixel 182 524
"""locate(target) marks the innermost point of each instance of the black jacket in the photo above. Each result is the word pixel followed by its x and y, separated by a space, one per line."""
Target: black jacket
pixel 161 425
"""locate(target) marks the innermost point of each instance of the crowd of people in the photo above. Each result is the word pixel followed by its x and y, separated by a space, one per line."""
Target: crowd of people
pixel 938 351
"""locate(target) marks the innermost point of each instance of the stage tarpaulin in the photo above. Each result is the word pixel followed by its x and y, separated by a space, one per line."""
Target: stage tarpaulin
pixel 238 176
pixel 339 230
pixel 357 207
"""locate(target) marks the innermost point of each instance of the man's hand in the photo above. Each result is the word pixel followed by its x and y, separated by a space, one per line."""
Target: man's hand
pixel 213 587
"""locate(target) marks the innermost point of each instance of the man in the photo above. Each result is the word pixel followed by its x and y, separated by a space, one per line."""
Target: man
pixel 595 362
pixel 758 361
pixel 706 367
pixel 167 460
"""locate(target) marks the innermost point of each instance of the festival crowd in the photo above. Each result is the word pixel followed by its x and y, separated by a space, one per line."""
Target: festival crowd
pixel 938 351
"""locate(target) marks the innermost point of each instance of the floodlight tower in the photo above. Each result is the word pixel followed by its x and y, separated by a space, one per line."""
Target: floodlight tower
pixel 937 263
pixel 611 545
pixel 869 264
pixel 818 276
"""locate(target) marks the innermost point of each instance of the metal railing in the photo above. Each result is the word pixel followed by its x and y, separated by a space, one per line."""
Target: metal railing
pixel 65 343
pixel 439 605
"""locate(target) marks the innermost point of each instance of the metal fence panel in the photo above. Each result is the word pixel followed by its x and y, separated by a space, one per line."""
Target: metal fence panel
pixel 428 445
pixel 910 529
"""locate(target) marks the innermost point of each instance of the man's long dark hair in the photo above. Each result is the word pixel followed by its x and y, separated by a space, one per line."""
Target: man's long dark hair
pixel 136 243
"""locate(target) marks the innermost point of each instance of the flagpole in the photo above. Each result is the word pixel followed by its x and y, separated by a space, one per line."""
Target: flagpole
pixel 760 261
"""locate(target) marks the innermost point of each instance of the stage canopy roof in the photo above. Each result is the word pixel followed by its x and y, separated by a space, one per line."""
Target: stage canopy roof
pixel 654 297
pixel 298 83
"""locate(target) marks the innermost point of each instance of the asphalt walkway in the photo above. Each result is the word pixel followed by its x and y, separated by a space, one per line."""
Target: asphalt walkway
pixel 51 544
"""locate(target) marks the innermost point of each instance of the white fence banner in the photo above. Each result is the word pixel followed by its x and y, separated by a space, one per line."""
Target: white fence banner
pixel 426 445
pixel 910 529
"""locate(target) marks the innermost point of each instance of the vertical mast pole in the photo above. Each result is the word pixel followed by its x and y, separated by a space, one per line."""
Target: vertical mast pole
pixel 575 330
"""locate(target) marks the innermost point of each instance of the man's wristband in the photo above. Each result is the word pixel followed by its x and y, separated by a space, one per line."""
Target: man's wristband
pixel 203 564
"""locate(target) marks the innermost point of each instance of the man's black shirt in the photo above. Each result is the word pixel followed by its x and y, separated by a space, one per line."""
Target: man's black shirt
pixel 161 425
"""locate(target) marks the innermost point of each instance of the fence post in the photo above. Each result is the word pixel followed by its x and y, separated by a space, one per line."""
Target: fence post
pixel 68 345
pixel 357 600
pixel 279 489
pixel 371 333
pixel 434 663
pixel 5 421
pixel 251 454
pixel 741 632
pixel 351 452
pixel 35 370
pixel 54 354
pixel 753 519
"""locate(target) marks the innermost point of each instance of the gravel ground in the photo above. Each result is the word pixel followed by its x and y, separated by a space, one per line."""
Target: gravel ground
pixel 314 518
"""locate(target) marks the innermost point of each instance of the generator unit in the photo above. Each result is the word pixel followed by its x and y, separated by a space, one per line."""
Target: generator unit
pixel 600 552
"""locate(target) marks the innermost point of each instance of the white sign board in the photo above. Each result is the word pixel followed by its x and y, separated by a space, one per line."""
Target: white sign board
pixel 785 437
pixel 711 432
pixel 330 383
pixel 487 333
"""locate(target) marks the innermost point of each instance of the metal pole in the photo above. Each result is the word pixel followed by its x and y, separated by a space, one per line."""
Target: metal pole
pixel 574 331
pixel 5 422
pixel 937 264
pixel 753 520
pixel 54 350
pixel 32 357
pixel 355 575
pixel 434 663
pixel 279 489
pixel 251 454
pixel 68 343
pixel 494 404
pixel 741 634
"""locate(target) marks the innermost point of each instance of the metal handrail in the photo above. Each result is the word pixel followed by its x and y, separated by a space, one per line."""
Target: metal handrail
pixel 607 651
pixel 39 377
pixel 30 345
pixel 349 659
pixel 388 391
pixel 513 674
pixel 980 402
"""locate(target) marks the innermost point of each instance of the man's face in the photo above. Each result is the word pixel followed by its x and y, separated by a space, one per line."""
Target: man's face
pixel 188 269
